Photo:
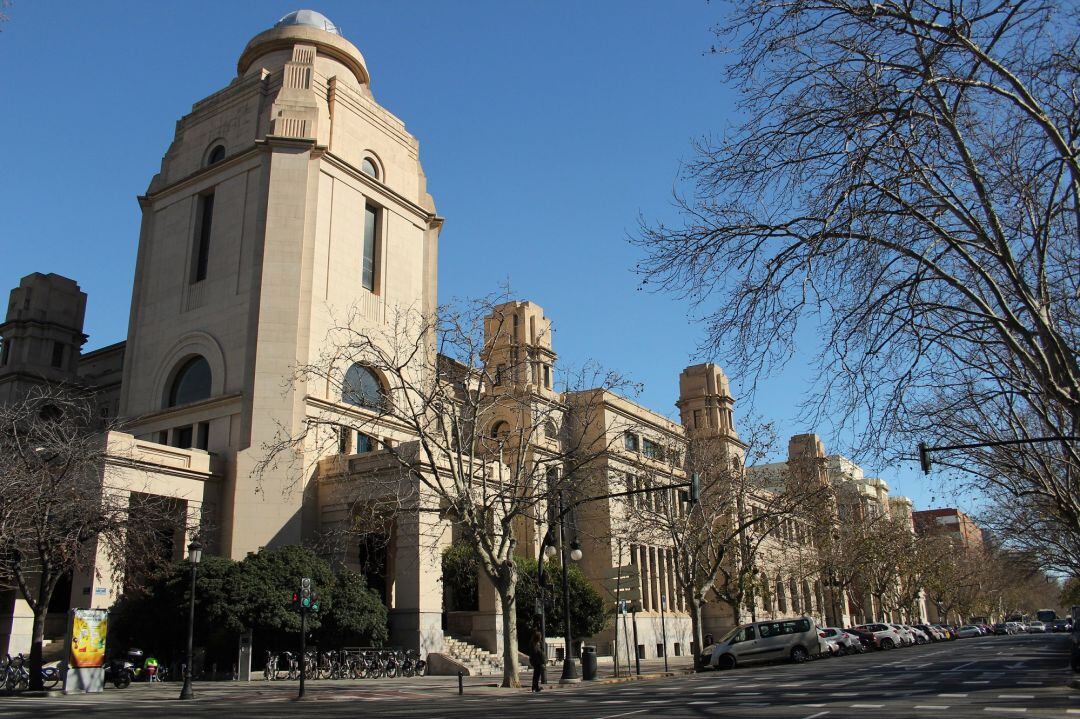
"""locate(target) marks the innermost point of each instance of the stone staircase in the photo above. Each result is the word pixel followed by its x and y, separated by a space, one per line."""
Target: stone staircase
pixel 480 662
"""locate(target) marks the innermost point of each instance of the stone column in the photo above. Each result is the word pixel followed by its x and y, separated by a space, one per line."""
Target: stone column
pixel 416 613
pixel 487 626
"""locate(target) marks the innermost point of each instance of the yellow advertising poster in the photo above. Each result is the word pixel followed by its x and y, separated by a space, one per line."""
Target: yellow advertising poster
pixel 88 630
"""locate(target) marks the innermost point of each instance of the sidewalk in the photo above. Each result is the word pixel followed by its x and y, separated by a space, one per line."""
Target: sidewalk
pixel 260 690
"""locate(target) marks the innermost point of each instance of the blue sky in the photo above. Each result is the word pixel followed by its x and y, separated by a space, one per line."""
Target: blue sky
pixel 546 130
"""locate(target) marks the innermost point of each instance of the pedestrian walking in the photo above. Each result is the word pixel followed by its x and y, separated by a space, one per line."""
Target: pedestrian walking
pixel 537 658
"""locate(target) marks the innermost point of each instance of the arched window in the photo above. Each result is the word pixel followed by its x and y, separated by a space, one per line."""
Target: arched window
pixel 191 383
pixel 499 429
pixel 362 388
pixel 368 167
pixel 781 600
pixel 794 592
pixel 216 155
pixel 550 430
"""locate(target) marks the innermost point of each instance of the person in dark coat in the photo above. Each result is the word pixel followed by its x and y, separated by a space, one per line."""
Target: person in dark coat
pixel 537 659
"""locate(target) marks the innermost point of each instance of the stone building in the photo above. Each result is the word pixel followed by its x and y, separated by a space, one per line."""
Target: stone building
pixel 286 200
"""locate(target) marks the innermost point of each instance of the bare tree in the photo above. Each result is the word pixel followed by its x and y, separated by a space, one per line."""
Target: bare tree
pixel 58 511
pixel 486 439
pixel 906 178
pixel 716 541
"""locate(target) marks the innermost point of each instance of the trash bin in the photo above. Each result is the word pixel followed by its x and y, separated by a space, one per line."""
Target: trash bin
pixel 588 663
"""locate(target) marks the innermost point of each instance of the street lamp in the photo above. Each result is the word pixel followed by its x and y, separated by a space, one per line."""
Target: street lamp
pixel 194 555
pixel 570 673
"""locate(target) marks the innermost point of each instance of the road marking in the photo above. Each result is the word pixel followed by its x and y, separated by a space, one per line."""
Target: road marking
pixel 1016 696
pixel 952 696
pixel 844 694
pixel 867 706
pixel 815 706
pixel 693 703
pixel 1004 710
pixel 624 714
pixel 958 668
pixel 815 716
pixel 940 707
pixel 1072 711
pixel 979 681
pixel 796 694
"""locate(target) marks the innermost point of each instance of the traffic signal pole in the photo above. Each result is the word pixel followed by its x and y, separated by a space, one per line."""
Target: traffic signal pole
pixel 926 463
pixel 303 650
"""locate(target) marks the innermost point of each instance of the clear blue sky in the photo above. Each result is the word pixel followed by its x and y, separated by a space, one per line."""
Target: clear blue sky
pixel 546 129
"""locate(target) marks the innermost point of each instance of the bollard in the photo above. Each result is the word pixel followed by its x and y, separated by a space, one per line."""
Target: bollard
pixel 460 683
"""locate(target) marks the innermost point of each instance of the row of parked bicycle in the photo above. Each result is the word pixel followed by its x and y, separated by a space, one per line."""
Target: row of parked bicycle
pixel 349 663
pixel 15 674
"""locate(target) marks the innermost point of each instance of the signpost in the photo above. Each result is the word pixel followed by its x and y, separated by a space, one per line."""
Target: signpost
pixel 623 583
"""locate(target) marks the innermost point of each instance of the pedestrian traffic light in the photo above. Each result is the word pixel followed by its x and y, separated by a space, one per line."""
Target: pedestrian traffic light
pixel 924 458
pixel 296 600
pixel 695 488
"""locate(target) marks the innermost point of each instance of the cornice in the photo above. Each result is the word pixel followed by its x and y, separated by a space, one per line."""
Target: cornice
pixel 172 412
pixel 355 173
pixel 199 175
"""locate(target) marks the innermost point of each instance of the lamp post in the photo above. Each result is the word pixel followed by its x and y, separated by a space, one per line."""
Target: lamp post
pixel 194 555
pixel 547 551
pixel 570 673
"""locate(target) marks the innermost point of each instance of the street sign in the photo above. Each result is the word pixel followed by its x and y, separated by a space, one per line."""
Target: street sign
pixel 626 570
pixel 624 591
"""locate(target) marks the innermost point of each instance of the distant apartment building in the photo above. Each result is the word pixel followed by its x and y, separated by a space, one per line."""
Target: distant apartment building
pixel 950 522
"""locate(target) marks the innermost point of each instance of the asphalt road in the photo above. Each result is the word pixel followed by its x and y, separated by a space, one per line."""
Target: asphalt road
pixel 984 677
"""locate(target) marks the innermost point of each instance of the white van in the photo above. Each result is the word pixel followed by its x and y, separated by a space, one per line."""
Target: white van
pixel 794 639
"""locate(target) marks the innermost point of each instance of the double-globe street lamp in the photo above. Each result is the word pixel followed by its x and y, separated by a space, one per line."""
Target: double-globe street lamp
pixel 194 555
pixel 570 672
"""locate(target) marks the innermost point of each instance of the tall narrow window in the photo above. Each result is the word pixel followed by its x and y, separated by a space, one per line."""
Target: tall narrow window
pixel 5 352
pixel 57 354
pixel 371 229
pixel 202 237
pixel 202 437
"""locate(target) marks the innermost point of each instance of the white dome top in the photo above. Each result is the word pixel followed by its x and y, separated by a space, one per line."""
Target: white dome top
pixel 311 18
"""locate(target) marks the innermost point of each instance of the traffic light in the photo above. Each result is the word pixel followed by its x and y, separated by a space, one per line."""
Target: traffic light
pixel 924 458
pixel 296 600
pixel 694 494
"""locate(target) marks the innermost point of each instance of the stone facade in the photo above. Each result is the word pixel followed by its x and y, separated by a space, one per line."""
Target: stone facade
pixel 288 203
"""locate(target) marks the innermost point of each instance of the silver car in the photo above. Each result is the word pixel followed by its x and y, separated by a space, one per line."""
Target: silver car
pixel 794 639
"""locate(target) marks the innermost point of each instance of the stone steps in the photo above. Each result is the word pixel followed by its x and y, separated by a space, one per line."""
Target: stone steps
pixel 479 661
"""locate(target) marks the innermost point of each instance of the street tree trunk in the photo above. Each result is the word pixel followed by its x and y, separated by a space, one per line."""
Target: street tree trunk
pixel 506 585
pixel 36 642
pixel 695 628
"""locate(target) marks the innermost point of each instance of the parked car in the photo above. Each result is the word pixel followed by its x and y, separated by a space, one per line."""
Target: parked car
pixel 866 639
pixel 1036 628
pixel 1014 628
pixel 843 641
pixel 885 637
pixel 935 634
pixel 794 639
pixel 968 630
pixel 1062 625
pixel 1001 629
pixel 921 637
pixel 907 637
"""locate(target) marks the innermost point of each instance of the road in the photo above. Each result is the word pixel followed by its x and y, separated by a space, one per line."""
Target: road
pixel 984 677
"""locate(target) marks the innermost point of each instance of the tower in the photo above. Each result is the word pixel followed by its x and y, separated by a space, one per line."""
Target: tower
pixel 42 333
pixel 287 201
pixel 705 404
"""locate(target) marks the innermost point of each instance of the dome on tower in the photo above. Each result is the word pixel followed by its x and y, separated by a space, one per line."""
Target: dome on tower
pixel 310 18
